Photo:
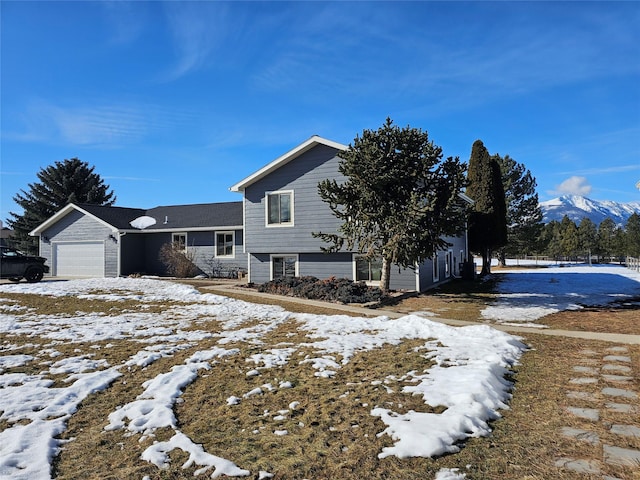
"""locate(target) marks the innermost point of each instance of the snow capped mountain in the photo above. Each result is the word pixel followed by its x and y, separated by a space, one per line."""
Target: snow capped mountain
pixel 576 207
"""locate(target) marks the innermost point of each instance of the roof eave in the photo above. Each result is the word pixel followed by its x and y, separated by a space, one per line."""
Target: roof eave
pixel 62 213
pixel 219 228
pixel 284 159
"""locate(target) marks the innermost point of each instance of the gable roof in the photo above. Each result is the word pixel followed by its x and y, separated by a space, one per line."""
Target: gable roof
pixel 118 217
pixel 201 216
pixel 284 159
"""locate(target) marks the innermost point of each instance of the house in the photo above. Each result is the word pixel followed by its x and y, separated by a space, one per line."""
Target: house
pixel 269 233
pixel 102 241
pixel 282 208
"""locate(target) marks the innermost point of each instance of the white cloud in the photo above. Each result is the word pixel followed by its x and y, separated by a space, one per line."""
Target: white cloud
pixel 574 186
pixel 94 122
pixel 197 29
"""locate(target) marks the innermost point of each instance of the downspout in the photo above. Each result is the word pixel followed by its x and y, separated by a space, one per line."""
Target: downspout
pixel 466 240
pixel 119 267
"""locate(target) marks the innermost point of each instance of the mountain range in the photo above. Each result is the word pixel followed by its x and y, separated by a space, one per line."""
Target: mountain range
pixel 576 207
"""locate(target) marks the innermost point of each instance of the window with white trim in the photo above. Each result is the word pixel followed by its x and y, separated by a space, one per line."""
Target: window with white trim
pixel 280 208
pixel 179 240
pixel 224 244
pixel 367 270
pixel 284 266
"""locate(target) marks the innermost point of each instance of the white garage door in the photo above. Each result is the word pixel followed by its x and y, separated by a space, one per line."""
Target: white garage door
pixel 79 259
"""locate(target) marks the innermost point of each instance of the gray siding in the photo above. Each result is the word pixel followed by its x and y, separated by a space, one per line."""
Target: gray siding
pixel 259 268
pixel 318 265
pixel 458 244
pixel 402 279
pixel 327 265
pixel 311 214
pixel 77 227
pixel 202 244
pixel 323 266
pixel 132 248
pixel 154 242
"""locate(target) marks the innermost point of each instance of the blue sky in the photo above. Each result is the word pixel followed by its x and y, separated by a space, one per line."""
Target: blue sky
pixel 174 102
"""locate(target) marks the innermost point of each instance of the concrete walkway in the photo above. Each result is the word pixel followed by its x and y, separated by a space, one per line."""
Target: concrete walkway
pixel 603 397
pixel 368 312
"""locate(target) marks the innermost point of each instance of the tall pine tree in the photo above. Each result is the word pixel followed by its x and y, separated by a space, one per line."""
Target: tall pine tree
pixel 69 181
pixel 524 215
pixel 569 240
pixel 632 236
pixel 488 219
pixel 587 237
pixel 399 199
pixel 606 238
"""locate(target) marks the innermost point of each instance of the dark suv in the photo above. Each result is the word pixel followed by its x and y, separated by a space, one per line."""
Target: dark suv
pixel 15 265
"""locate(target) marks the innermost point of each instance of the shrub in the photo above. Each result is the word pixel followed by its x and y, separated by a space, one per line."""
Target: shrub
pixel 179 263
pixel 332 289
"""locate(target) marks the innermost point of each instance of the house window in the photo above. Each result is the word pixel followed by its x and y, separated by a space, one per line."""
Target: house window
pixel 180 240
pixel 224 244
pixel 368 270
pixel 280 208
pixel 283 266
pixel 448 264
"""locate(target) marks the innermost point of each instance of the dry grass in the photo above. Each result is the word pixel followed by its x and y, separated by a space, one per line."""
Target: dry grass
pixel 331 433
pixel 597 319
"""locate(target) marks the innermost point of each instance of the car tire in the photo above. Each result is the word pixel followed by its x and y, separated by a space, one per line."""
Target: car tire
pixel 34 275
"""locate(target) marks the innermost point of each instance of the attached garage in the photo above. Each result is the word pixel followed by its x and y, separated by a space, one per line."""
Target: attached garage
pixel 105 241
pixel 78 259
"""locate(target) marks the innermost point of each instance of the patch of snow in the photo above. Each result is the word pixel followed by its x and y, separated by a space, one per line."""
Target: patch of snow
pixel 158 455
pixel 477 357
pixel 450 474
pixel 528 295
pixel 143 222
pixel 12 361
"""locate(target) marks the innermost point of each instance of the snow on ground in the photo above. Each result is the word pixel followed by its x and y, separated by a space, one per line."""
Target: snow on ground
pixel 468 376
pixel 527 295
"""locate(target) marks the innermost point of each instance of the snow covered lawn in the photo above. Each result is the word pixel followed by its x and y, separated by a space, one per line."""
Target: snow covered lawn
pixel 452 384
pixel 527 295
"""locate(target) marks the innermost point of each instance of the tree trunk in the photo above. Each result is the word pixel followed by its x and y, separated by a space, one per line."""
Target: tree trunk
pixel 486 262
pixel 385 277
pixel 502 258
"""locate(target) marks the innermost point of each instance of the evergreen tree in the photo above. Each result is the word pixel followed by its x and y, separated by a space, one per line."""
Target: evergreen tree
pixel 524 215
pixel 632 236
pixel 587 237
pixel 70 181
pixel 399 198
pixel 552 239
pixel 488 219
pixel 606 238
pixel 569 241
pixel 619 244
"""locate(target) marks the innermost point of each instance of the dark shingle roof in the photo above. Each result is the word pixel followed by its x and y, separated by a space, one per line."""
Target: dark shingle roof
pixel 225 214
pixel 118 217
